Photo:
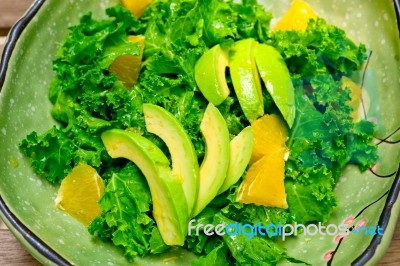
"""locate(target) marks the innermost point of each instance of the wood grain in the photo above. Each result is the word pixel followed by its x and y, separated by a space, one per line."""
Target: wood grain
pixel 2 41
pixel 392 256
pixel 11 11
pixel 11 251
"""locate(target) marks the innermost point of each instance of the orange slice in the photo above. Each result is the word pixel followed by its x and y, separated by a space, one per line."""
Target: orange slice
pixel 270 135
pixel 80 192
pixel 297 17
pixel 136 7
pixel 127 67
pixel 264 182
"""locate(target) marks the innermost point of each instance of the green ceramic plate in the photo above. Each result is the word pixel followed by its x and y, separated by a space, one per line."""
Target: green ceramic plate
pixel 26 202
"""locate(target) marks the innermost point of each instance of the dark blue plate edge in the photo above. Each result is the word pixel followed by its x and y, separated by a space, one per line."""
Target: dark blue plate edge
pixel 391 199
pixel 53 256
pixel 31 238
pixel 383 222
pixel 15 33
pixel 28 235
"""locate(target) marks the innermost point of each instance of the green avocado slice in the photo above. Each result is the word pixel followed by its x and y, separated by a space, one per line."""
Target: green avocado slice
pixel 241 148
pixel 209 73
pixel 276 77
pixel 184 160
pixel 169 202
pixel 215 164
pixel 245 79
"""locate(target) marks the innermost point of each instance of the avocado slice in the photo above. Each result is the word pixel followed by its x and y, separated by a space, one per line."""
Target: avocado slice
pixel 169 202
pixel 276 77
pixel 184 160
pixel 209 73
pixel 215 164
pixel 241 148
pixel 245 79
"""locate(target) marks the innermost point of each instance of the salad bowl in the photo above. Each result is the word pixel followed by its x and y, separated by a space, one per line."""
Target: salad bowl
pixel 54 238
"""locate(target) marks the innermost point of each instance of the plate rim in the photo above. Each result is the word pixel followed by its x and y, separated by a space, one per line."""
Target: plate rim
pixel 31 241
pixel 27 238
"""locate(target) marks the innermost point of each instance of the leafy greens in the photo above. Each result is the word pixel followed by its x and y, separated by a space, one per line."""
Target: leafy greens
pixel 88 99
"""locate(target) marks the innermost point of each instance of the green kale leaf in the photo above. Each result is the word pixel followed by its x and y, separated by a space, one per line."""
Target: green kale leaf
pixel 253 21
pixel 51 154
pixel 54 153
pixel 255 251
pixel 323 140
pixel 322 49
pixel 217 256
pixel 126 214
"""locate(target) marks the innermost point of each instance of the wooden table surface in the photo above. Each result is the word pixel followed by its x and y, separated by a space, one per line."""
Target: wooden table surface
pixel 11 251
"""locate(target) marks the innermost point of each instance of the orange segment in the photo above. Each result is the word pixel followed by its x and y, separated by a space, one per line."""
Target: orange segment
pixel 80 192
pixel 297 17
pixel 264 182
pixel 127 67
pixel 136 7
pixel 270 135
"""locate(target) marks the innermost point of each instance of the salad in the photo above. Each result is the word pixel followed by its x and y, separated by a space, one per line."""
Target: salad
pixel 180 118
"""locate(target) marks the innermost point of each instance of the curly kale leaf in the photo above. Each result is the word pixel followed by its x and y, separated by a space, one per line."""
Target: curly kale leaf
pixel 253 20
pixel 51 154
pixel 218 256
pixel 255 251
pixel 126 214
pixel 86 97
pixel 323 140
pixel 54 153
pixel 322 49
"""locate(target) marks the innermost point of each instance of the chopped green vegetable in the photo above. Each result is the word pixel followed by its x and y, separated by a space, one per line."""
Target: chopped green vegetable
pixel 253 20
pixel 126 218
pixel 255 251
pixel 321 49
pixel 51 154
pixel 217 256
